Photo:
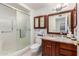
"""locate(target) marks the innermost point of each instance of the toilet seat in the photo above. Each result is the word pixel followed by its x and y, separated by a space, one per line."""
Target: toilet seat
pixel 36 45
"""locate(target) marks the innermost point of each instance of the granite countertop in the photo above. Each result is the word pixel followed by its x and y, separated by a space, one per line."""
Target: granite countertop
pixel 59 39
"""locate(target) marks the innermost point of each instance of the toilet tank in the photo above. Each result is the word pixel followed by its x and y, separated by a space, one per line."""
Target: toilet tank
pixel 38 39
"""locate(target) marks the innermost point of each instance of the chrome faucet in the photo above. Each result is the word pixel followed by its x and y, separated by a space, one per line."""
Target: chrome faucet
pixel 61 34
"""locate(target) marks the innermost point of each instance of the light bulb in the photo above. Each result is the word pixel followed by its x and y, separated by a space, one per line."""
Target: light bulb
pixel 65 4
pixel 58 6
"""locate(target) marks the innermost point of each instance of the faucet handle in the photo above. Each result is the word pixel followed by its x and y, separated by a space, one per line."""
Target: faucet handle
pixel 76 42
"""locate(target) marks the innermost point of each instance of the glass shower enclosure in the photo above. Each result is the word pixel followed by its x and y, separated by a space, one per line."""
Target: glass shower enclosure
pixel 15 30
pixel 23 29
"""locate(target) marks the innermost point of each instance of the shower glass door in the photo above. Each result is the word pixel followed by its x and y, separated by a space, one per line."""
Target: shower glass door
pixel 23 30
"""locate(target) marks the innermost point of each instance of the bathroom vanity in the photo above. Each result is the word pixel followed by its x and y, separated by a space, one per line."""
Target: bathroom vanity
pixel 60 23
pixel 58 47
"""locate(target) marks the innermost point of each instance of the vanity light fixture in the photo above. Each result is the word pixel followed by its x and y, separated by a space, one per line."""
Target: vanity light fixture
pixel 60 6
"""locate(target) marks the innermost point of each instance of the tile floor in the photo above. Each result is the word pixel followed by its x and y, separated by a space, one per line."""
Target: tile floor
pixel 29 53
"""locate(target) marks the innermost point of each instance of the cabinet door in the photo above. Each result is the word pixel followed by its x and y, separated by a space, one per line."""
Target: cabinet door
pixel 53 48
pixel 43 47
pixel 46 48
pixel 42 22
pixel 36 22
pixel 57 49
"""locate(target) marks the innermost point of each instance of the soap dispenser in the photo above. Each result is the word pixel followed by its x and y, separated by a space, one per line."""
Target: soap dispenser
pixel 69 35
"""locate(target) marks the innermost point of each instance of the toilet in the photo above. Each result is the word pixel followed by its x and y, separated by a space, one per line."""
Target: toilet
pixel 36 47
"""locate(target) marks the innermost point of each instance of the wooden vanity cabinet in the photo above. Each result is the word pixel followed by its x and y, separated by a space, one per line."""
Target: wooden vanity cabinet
pixel 52 48
pixel 49 48
pixel 46 48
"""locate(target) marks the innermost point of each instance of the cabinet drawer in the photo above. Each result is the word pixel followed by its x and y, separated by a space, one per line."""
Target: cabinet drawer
pixel 46 42
pixel 68 46
pixel 67 52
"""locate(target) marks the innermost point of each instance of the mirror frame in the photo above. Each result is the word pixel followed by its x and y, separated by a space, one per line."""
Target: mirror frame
pixel 72 22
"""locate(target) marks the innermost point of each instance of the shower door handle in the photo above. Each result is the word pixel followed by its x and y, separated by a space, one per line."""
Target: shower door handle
pixel 20 32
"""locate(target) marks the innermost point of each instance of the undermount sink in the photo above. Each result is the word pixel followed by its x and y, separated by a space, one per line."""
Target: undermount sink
pixel 61 38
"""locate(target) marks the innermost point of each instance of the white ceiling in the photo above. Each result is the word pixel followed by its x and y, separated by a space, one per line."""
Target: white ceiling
pixel 35 5
pixel 40 5
pixel 17 6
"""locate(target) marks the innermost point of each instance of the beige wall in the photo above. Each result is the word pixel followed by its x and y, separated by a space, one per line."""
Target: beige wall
pixel 78 27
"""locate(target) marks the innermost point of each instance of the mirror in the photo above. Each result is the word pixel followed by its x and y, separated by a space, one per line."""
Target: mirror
pixel 59 23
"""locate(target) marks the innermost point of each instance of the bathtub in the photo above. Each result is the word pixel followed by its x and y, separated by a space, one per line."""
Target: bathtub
pixel 19 52
pixel 9 45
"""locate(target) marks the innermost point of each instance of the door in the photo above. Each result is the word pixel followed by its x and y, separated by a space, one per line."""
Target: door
pixel 23 30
